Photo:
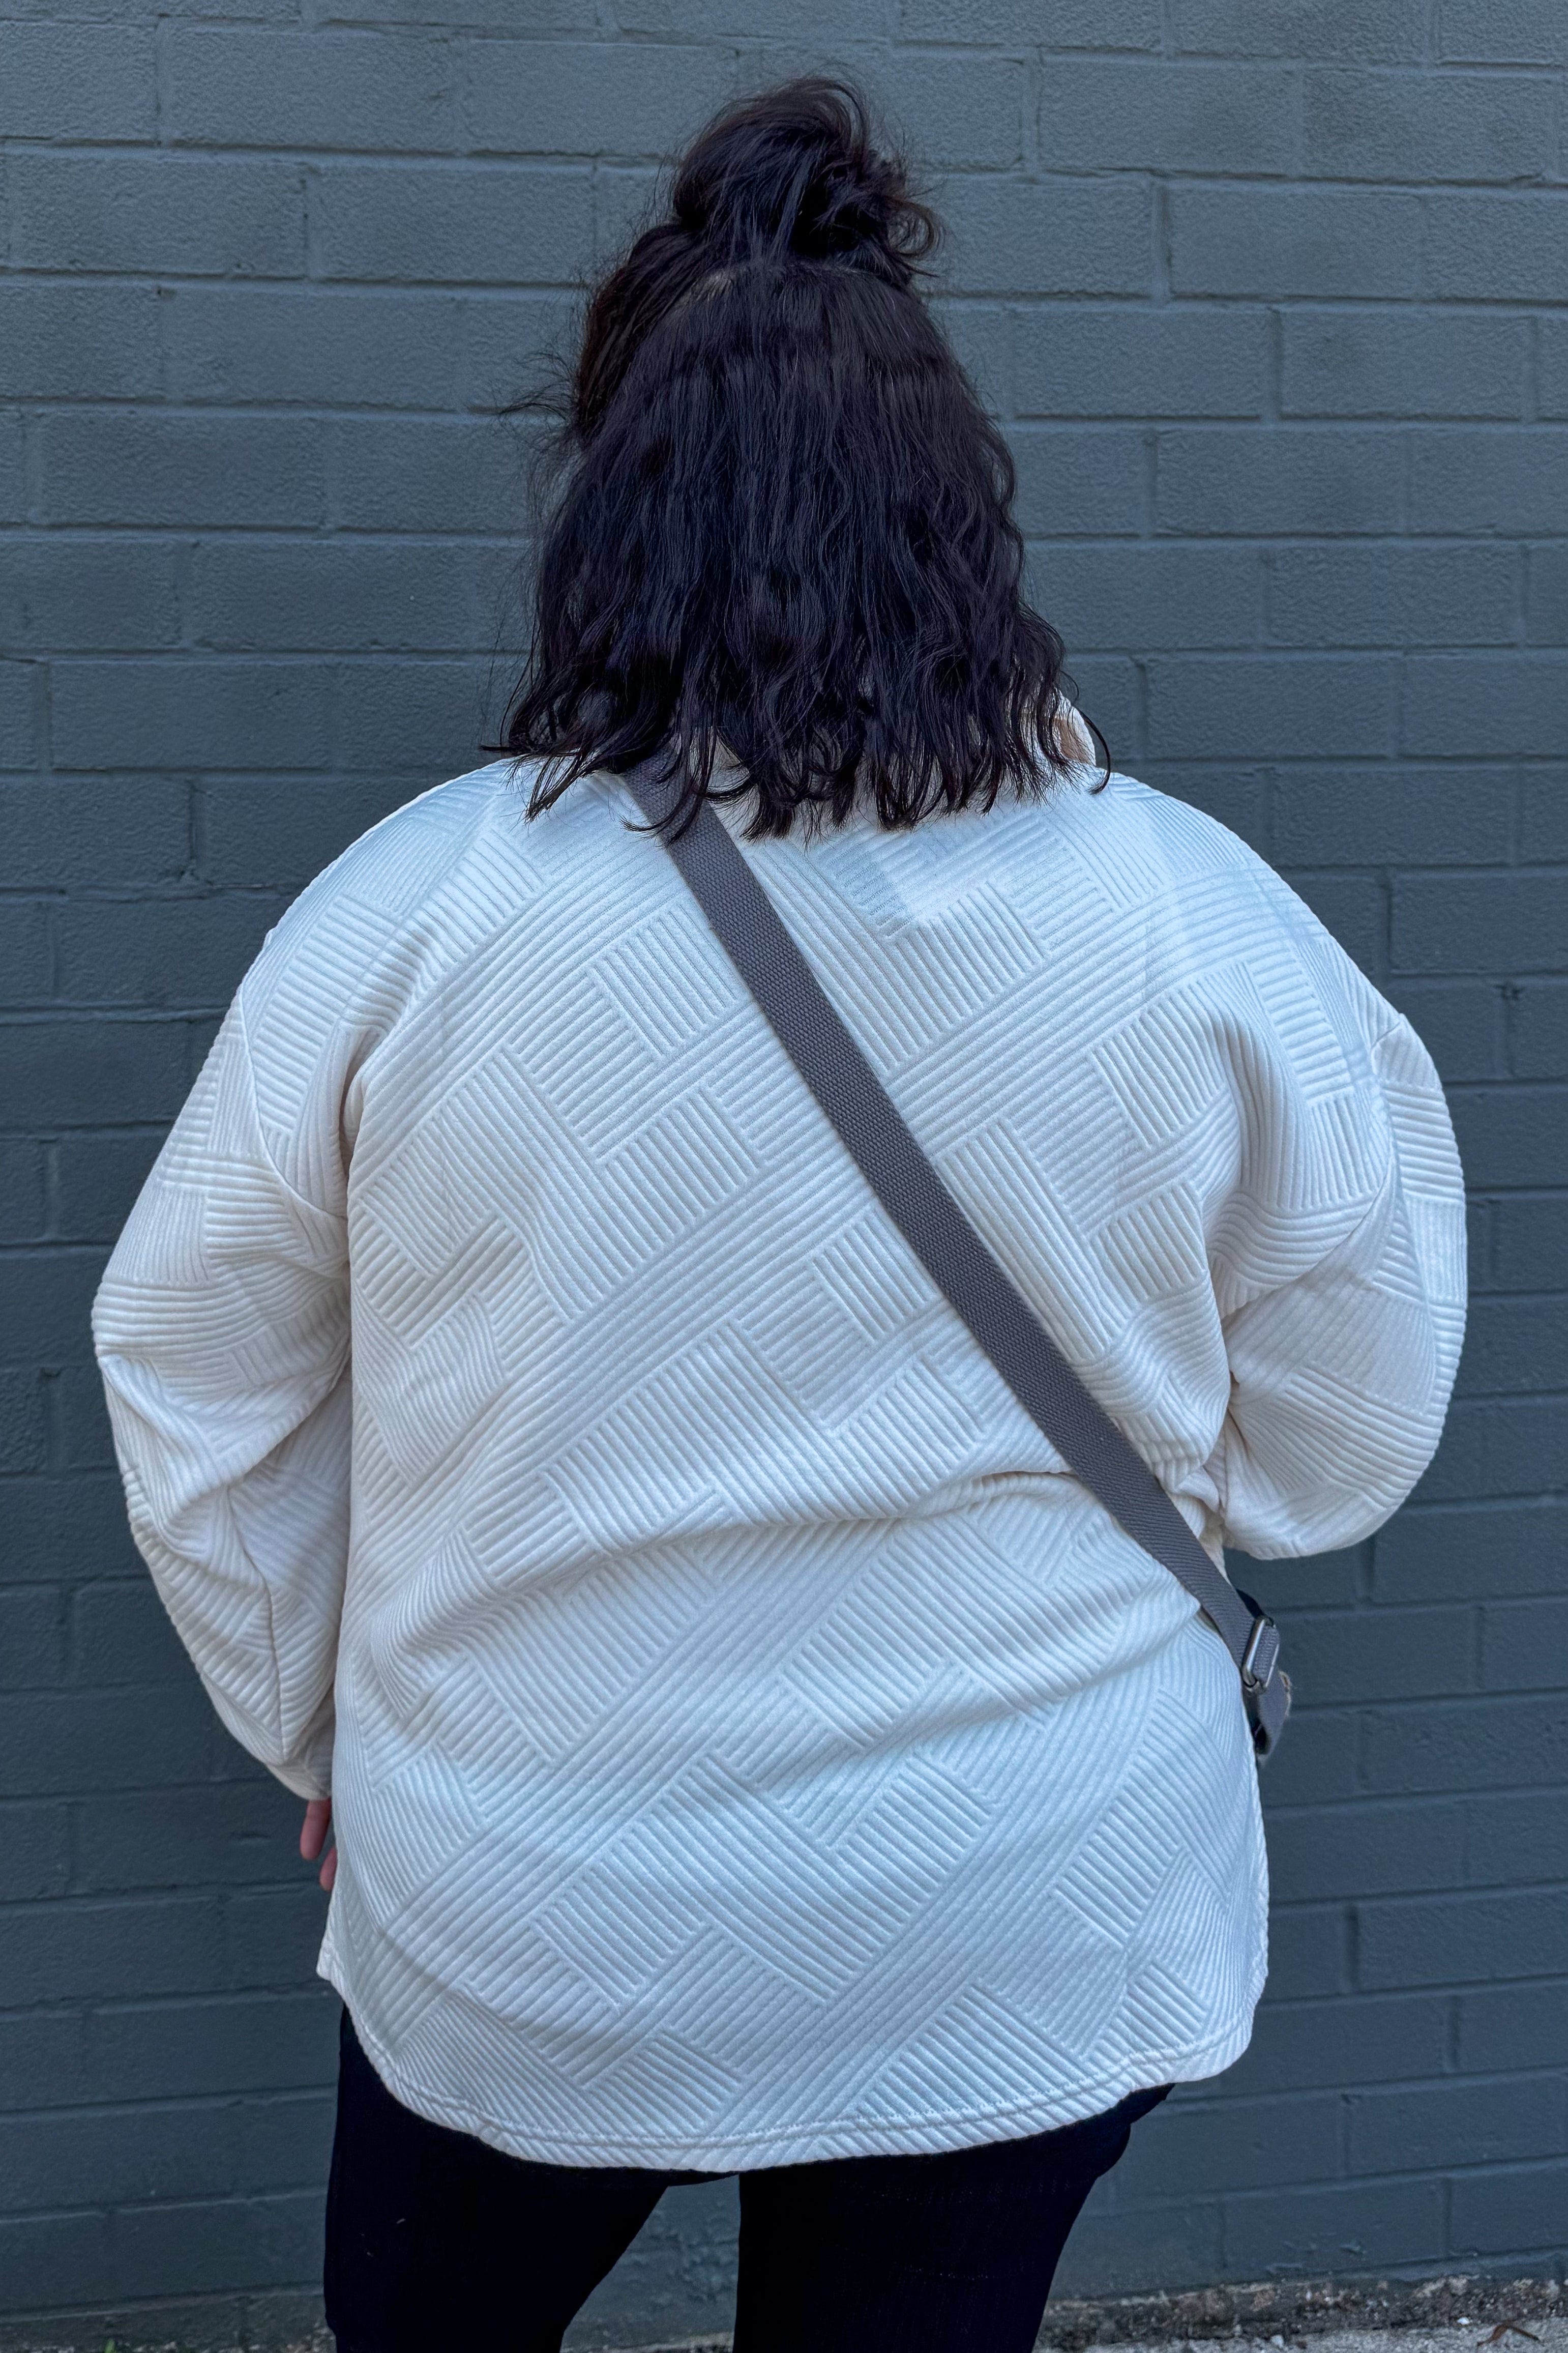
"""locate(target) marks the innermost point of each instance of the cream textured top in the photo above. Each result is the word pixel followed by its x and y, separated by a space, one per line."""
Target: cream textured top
pixel 747 1741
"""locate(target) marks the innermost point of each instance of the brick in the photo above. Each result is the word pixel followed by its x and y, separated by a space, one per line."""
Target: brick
pixel 1365 1849
pixel 1503 1446
pixel 1416 2129
pixel 1354 909
pixel 1079 480
pixel 1539 1045
pixel 273 1934
pixel 32 1624
pixel 963 112
pixel 1167 117
pixel 38 2251
pixel 1307 2045
pixel 1490 705
pixel 1518 2206
pixel 322 345
pixel 58 833
pixel 1348 816
pixel 1478 923
pixel 1502 32
pixel 239 86
pixel 1208 2147
pixel 1485 1550
pixel 22 1183
pixel 1048 237
pixel 228 1834
pixel 1511 2026
pixel 1544 815
pixel 1513 1344
pixel 173 470
pixel 1139 2252
pixel 121 1633
pixel 13 484
pixel 163 2152
pixel 85 1951
pixel 1269 480
pixel 1105 689
pixel 20 732
pixel 1466 1743
pixel 96 593
pixel 1150 597
pixel 1552 395
pixel 1218 705
pixel 1523 1644
pixel 65 1074
pixel 621 98
pixel 1511 483
pixel 1137 363
pixel 48 1294
pixel 299 595
pixel 1073 24
pixel 64 1520
pixel 1315 1766
pixel 1309 1951
pixel 65 1741
pixel 99 1177
pixel 37 1838
pixel 1343 1655
pixel 426 474
pixel 1370 363
pixel 1546 603
pixel 222 2244
pixel 1516 1838
pixel 158 715
pixel 1428 127
pixel 1378 32
pixel 254 2042
pixel 192 214
pixel 278 836
pixel 453 223
pixel 1272 242
pixel 84 1439
pixel 161 952
pixel 27 953
pixel 1498 248
pixel 1455 1939
pixel 979 336
pixel 412 715
pixel 53 339
pixel 1371 597
pixel 40 2051
pixel 78 81
pixel 1459 1022
pixel 508 338
pixel 1318 2231
pixel 1237 797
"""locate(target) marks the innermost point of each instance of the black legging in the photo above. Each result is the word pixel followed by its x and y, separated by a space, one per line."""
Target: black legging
pixel 434 2239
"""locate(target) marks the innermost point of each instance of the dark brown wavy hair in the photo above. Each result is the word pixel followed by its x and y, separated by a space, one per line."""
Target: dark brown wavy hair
pixel 783 519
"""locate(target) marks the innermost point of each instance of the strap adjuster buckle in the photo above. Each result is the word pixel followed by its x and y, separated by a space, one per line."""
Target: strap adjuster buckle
pixel 1261 1655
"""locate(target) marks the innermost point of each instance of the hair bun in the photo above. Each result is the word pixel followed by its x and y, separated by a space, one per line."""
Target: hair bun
pixel 794 171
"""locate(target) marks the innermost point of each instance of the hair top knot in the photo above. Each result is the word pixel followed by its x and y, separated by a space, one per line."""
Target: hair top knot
pixel 796 175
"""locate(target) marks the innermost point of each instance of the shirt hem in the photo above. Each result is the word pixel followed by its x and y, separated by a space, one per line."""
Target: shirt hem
pixel 809 2144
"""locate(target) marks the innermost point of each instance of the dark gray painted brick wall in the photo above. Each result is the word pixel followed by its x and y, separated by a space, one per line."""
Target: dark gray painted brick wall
pixel 1273 296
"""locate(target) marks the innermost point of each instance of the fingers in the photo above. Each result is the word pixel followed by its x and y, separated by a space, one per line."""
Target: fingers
pixel 313 1832
pixel 329 1870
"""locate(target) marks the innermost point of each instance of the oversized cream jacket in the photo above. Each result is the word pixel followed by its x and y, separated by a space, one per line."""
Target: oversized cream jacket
pixel 747 1741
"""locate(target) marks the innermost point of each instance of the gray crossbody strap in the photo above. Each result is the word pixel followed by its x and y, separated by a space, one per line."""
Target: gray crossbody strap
pixel 937 1229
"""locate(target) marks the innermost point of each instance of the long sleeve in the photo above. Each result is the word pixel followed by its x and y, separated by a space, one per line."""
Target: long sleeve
pixel 221 1328
pixel 1340 1378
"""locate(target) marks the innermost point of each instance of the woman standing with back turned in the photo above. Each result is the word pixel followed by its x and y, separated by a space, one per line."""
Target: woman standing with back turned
pixel 750 1748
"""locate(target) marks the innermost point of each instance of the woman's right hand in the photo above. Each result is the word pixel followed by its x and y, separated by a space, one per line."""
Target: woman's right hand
pixel 314 1837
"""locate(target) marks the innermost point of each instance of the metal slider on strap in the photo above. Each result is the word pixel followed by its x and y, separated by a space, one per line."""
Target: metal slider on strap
pixel 1261 1655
